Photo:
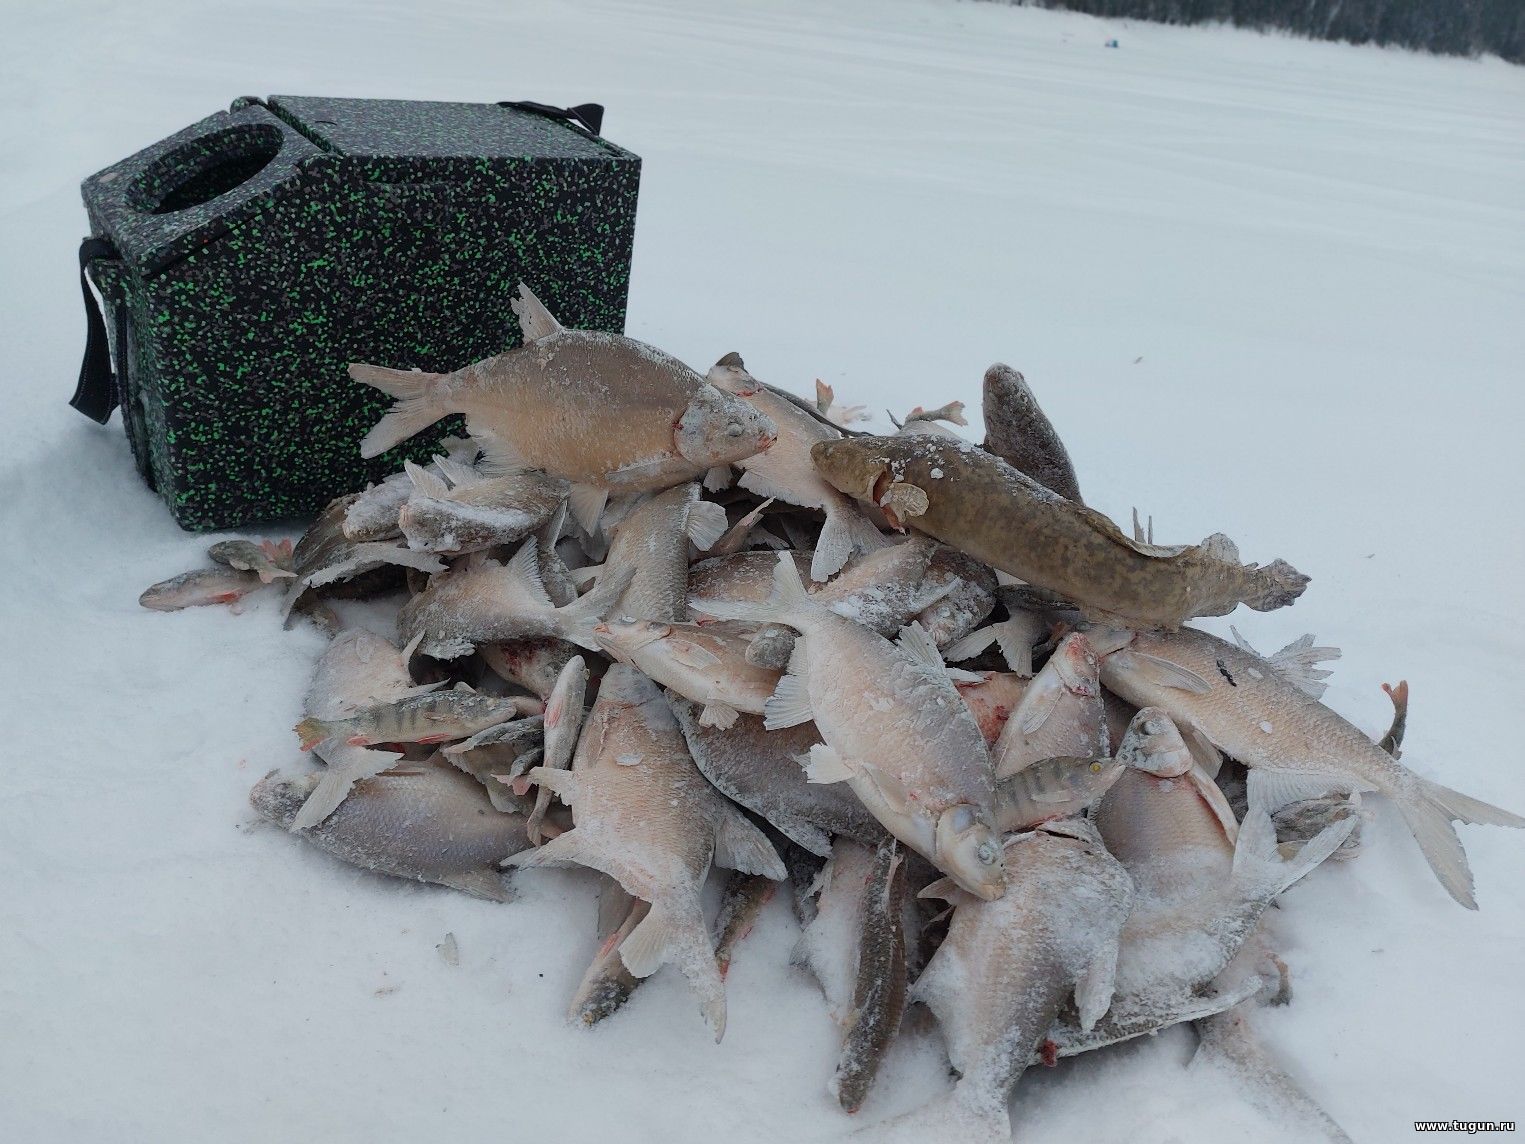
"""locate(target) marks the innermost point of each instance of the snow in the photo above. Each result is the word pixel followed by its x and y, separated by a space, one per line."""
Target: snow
pixel 1260 285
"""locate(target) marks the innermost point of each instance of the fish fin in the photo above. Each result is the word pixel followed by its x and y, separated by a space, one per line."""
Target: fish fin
pixel 582 577
pixel 486 884
pixel 823 765
pixel 959 675
pixel 425 482
pixel 706 524
pixel 676 932
pixel 562 783
pixel 535 321
pixel 914 641
pixel 587 504
pixel 1271 790
pixel 499 458
pixel 1093 992
pixel 335 784
pixel 575 621
pixel 741 846
pixel 890 788
pixel 717 478
pixel 413 412
pixel 1275 586
pixel 1297 664
pixel 524 567
pixel 718 715
pixel 1139 536
pixel 1201 748
pixel 845 532
pixel 1212 794
pixel 312 731
pixel 969 646
pixel 1038 702
pixel 1258 865
pixel 789 705
pixel 1163 673
pixel 569 849
pixel 761 485
pixel 946 890
pixel 691 654
pixel 1429 814
pixel 459 473
pixel 788 599
pixel 905 499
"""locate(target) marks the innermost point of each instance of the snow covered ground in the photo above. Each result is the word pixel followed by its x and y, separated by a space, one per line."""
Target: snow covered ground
pixel 1261 285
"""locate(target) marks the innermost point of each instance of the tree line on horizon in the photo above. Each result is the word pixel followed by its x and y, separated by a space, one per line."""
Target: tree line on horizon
pixel 1446 27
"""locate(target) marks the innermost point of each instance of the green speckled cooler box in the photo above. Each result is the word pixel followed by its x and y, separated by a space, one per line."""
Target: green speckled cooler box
pixel 255 254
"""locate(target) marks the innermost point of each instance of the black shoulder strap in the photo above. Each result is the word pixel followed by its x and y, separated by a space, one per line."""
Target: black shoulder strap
pixel 587 115
pixel 96 394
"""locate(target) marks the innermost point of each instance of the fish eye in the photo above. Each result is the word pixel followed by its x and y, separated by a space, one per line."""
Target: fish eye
pixel 734 429
pixel 1095 768
pixel 987 853
pixel 1154 727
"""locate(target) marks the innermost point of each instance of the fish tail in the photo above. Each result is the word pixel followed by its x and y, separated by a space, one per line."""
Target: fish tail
pixel 846 531
pixel 312 732
pixel 576 620
pixel 1275 586
pixel 413 413
pixel 1258 862
pixel 1429 813
pixel 786 603
pixel 675 931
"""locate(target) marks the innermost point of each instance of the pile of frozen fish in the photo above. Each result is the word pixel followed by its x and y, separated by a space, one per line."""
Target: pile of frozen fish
pixel 652 623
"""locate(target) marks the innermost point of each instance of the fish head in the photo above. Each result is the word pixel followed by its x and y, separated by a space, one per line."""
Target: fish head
pixel 730 374
pixel 1153 744
pixel 719 428
pixel 968 849
pixel 278 797
pixel 853 465
pixel 1084 780
pixel 1077 664
pixel 624 637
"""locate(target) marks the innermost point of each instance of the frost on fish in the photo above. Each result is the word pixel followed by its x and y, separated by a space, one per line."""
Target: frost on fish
pixel 200 587
pixel 1020 433
pixel 893 728
pixel 1008 966
pixel 491 602
pixel 607 984
pixel 1002 517
pixel 1061 712
pixel 784 470
pixel 703 662
pixel 1309 752
pixel 758 769
pixel 1201 891
pixel 655 826
pixel 430 823
pixel 475 513
pixel 880 992
pixel 597 409
pixel 653 540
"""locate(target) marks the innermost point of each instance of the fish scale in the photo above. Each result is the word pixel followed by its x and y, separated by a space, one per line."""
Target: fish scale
pixel 1295 746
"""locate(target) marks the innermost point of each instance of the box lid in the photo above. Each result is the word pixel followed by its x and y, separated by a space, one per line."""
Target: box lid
pixel 411 129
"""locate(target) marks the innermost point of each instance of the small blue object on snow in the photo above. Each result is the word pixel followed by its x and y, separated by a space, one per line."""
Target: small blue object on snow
pixel 1111 43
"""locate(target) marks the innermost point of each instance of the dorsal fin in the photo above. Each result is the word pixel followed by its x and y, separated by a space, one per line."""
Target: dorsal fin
pixel 535 321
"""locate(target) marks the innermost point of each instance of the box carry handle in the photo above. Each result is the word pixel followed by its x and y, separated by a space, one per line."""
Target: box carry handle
pixel 96 394
pixel 587 115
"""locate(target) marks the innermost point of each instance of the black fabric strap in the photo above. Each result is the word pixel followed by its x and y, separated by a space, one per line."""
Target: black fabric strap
pixel 587 115
pixel 96 394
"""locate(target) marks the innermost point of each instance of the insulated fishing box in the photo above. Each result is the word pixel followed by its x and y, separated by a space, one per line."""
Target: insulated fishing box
pixel 243 263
